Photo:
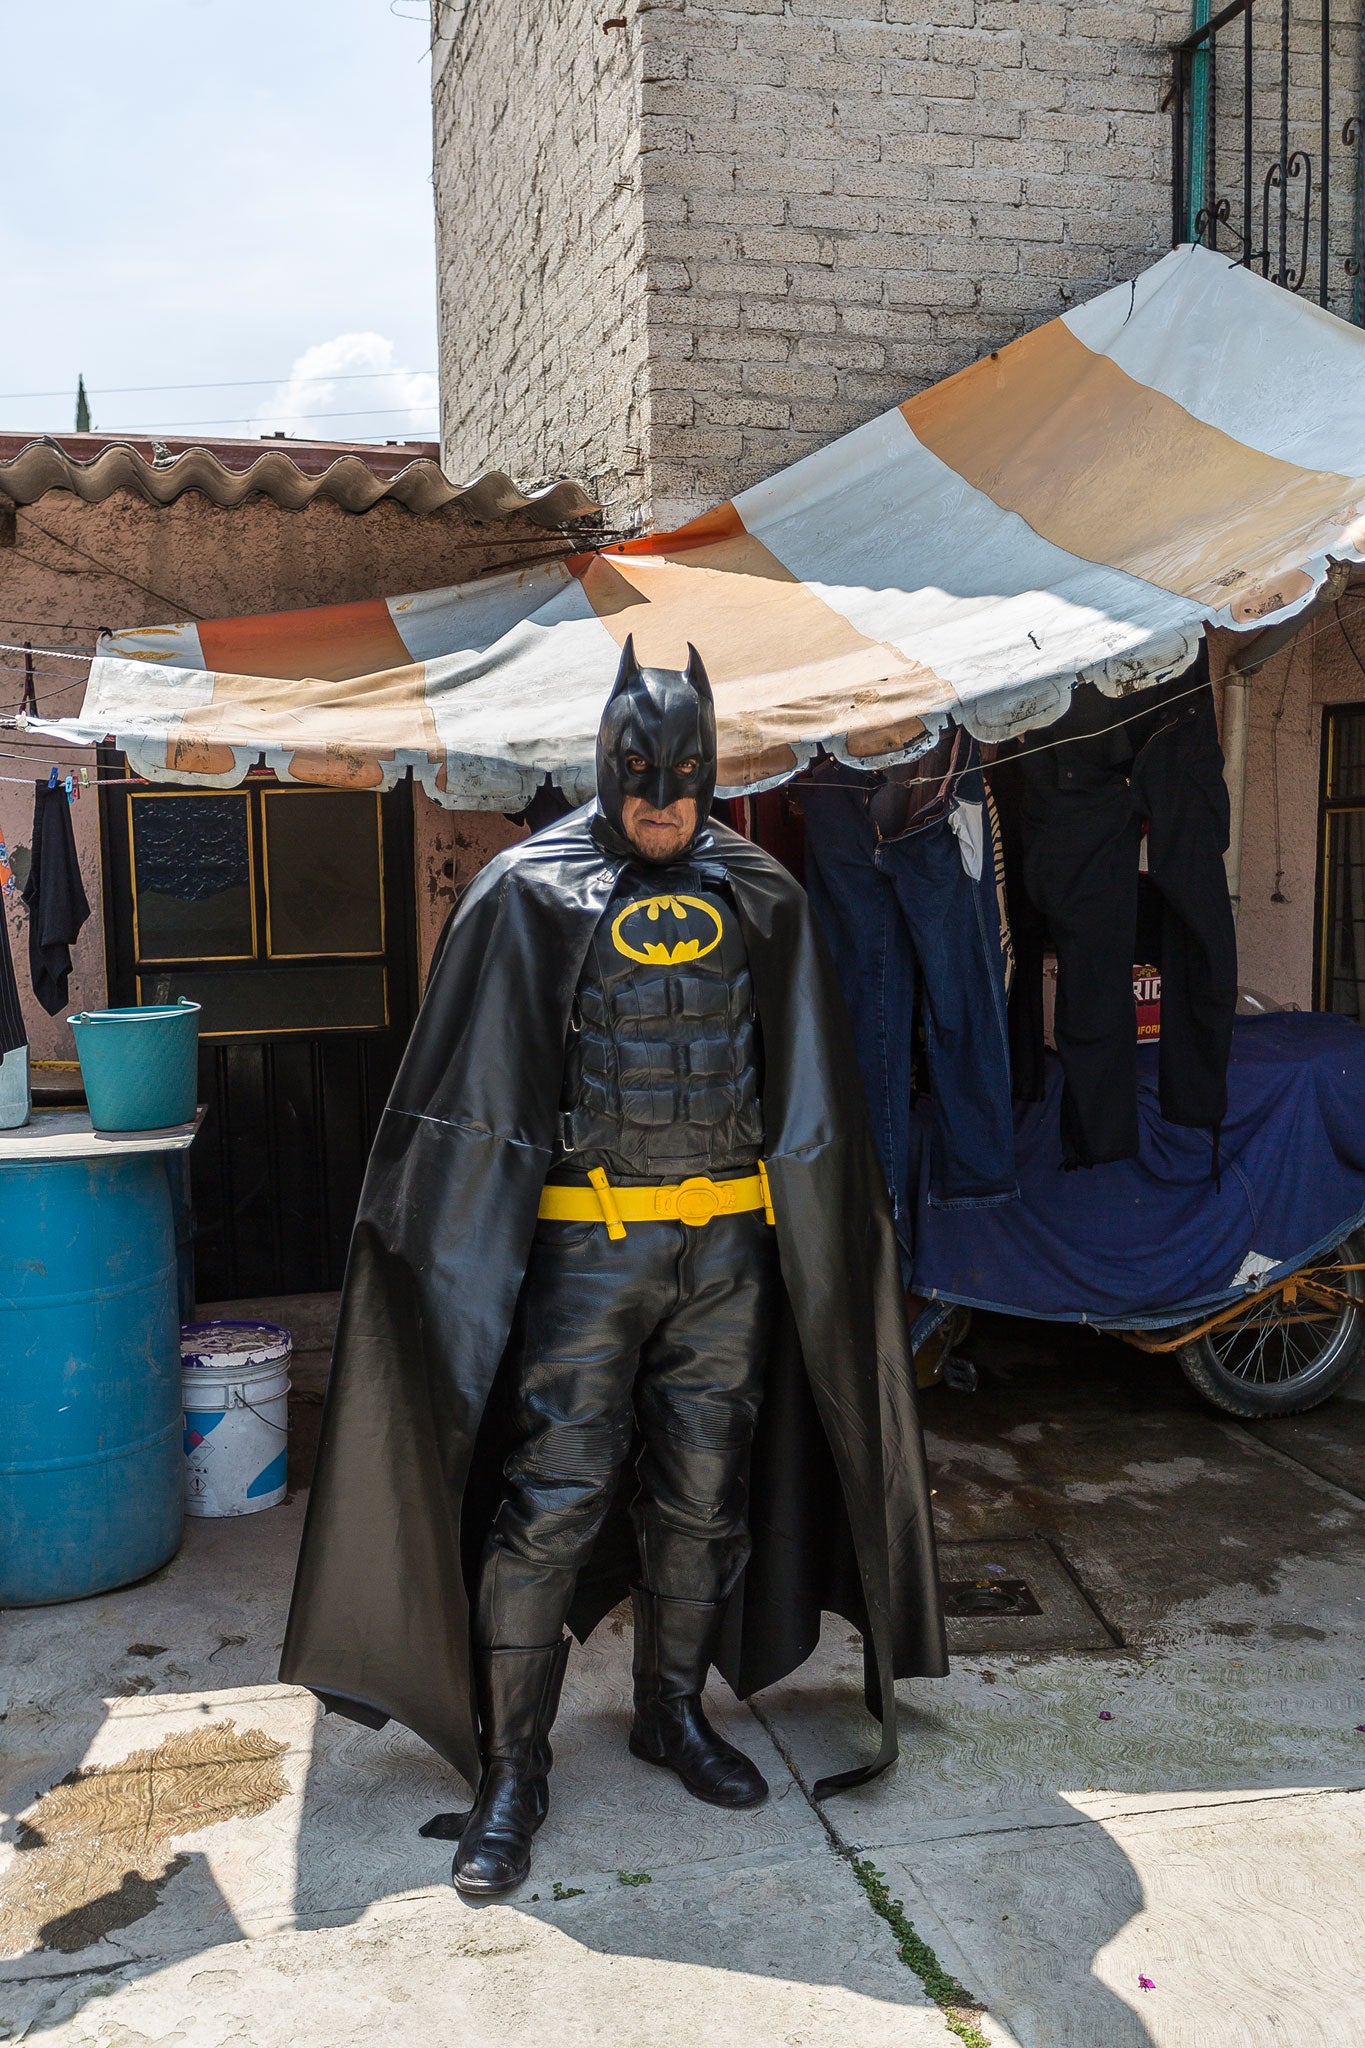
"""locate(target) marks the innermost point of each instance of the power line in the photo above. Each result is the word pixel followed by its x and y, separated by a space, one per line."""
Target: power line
pixel 221 384
pixel 119 575
pixel 377 412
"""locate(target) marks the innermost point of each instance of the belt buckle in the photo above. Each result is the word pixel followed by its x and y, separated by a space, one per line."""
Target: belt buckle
pixel 698 1200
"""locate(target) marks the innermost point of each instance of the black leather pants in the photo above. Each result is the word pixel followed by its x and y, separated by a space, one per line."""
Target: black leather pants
pixel 664 1329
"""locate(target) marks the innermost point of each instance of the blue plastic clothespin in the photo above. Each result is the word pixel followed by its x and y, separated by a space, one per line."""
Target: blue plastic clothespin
pixel 52 778
pixel 69 787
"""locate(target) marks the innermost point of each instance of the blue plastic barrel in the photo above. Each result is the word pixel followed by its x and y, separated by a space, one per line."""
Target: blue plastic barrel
pixel 139 1065
pixel 91 1464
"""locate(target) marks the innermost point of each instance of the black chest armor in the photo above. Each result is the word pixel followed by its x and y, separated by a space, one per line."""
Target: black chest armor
pixel 662 1077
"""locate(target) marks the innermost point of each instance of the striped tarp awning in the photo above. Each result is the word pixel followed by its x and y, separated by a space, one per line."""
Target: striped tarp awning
pixel 1184 450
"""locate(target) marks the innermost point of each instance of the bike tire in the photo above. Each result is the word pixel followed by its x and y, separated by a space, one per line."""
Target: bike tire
pixel 1310 1367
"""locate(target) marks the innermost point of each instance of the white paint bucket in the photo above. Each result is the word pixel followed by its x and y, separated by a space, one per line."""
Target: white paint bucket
pixel 236 1387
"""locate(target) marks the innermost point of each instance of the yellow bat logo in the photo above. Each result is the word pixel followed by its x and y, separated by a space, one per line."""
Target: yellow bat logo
pixel 684 910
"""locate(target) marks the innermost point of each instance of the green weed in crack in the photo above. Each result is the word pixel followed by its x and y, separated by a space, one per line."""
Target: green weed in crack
pixel 955 2002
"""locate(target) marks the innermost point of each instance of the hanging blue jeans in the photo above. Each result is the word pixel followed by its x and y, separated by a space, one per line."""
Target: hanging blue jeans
pixel 900 911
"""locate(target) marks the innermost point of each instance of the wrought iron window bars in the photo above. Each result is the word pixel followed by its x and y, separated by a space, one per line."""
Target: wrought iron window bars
pixel 1283 192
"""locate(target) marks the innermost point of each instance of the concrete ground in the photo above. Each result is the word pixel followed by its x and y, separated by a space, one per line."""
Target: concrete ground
pixel 1132 1815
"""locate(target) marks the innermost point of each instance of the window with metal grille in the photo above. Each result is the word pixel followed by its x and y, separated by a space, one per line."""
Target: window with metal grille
pixel 1341 864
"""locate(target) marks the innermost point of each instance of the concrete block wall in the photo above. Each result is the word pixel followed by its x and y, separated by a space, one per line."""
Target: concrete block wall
pixel 540 252
pixel 849 199
pixel 678 255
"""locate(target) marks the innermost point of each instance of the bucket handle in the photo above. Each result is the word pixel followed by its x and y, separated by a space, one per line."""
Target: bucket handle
pixel 180 1003
pixel 282 1428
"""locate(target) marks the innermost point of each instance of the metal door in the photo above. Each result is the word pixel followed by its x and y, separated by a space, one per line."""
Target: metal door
pixel 289 914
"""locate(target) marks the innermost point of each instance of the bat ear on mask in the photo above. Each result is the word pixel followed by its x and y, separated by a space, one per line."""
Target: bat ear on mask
pixel 696 674
pixel 627 670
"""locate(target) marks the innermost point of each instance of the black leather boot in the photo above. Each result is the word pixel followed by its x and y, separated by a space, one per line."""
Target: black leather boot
pixel 542 1756
pixel 518 1698
pixel 673 1644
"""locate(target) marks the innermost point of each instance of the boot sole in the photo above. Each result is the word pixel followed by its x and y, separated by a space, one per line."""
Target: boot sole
pixel 661 1763
pixel 473 1889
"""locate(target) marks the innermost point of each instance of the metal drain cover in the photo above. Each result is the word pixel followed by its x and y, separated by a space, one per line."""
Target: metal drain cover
pixel 1014 1596
pixel 964 1597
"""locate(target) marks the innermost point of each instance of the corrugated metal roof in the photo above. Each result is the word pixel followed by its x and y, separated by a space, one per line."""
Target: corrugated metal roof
pixel 292 474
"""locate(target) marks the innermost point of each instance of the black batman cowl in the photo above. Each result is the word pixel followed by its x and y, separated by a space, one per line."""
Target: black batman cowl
pixel 657 740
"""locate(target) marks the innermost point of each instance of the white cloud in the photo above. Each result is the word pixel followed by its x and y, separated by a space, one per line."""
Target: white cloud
pixel 220 257
pixel 351 388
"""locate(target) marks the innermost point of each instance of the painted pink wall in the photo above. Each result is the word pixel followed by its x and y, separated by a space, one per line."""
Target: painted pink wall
pixel 75 568
pixel 1276 940
pixel 451 847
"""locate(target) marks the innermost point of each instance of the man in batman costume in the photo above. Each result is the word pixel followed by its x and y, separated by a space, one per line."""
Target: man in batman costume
pixel 622 1311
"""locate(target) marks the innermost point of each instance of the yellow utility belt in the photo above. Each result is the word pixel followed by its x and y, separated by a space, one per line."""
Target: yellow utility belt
pixel 690 1201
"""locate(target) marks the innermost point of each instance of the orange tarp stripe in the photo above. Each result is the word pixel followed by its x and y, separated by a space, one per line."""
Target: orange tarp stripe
pixel 782 662
pixel 377 690
pixel 1116 472
pixel 332 643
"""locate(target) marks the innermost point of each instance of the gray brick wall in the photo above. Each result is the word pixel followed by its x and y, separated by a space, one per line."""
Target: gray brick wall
pixel 540 256
pixel 857 197
pixel 674 258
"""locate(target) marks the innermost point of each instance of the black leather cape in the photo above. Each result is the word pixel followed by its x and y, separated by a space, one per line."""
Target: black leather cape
pixel 412 1446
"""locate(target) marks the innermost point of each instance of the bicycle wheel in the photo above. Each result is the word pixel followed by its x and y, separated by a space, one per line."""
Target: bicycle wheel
pixel 1283 1354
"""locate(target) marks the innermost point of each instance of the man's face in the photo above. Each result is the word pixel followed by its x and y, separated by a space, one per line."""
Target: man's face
pixel 658 835
pixel 656 756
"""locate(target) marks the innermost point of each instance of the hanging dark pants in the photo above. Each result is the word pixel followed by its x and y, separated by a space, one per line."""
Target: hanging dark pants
pixel 898 911
pixel 1082 808
pixel 1028 941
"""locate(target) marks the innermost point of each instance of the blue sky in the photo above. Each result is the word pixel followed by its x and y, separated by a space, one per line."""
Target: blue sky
pixel 203 190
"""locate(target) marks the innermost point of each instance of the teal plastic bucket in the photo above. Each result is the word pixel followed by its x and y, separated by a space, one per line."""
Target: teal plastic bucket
pixel 140 1066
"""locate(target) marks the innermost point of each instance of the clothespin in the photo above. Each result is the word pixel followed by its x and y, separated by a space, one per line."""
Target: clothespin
pixel 85 778
pixel 52 778
pixel 69 787
pixel 30 694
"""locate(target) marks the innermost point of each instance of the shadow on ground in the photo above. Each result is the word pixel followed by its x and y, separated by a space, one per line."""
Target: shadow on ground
pixel 1077 1808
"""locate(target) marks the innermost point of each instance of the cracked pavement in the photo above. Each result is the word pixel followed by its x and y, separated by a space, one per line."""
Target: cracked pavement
pixel 1132 1816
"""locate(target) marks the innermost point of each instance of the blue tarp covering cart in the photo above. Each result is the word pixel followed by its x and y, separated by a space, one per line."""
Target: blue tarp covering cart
pixel 1160 1243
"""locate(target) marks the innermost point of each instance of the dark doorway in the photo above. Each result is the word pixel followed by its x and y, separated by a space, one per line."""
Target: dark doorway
pixel 288 913
pixel 1340 977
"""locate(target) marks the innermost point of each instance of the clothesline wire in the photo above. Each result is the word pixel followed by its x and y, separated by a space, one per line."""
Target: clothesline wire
pixel 22 647
pixel 45 676
pixel 58 625
pixel 58 690
pixel 50 688
pixel 1309 632
pixel 1306 635
pixel 905 782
